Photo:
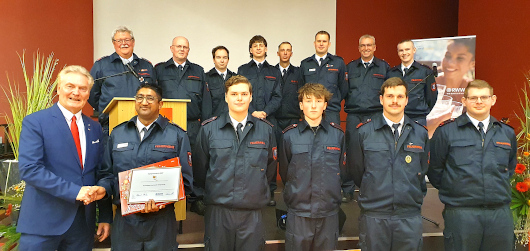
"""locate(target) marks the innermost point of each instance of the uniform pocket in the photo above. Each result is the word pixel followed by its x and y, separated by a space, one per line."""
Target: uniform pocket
pixel 461 152
pixel 375 155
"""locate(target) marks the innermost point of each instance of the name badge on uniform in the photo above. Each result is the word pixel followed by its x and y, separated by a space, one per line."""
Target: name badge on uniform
pixel 122 145
pixel 313 69
pixel 408 159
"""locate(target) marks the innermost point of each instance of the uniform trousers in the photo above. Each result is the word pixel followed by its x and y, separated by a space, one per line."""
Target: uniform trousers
pixel 390 233
pixel 311 234
pixel 476 228
pixel 229 229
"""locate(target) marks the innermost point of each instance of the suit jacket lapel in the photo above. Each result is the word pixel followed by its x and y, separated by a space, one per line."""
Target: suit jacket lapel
pixel 62 127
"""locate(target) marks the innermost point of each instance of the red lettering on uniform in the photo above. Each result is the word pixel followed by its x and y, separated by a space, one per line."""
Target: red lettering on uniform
pixel 331 69
pixel 503 143
pixel 333 148
pixel 378 75
pixel 413 146
pixel 165 146
pixel 270 77
pixel 194 77
pixel 257 143
pixel 416 79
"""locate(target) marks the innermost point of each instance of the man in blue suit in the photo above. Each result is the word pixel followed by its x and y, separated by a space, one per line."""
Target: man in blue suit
pixel 59 160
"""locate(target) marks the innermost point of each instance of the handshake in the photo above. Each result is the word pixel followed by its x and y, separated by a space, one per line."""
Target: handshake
pixel 89 194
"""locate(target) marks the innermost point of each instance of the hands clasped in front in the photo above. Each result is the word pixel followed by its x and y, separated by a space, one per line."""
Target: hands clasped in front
pixel 89 194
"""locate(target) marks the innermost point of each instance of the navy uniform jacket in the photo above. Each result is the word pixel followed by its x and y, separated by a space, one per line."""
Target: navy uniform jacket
pixel 216 88
pixel 124 85
pixel 235 175
pixel 365 86
pixel 468 174
pixel 312 167
pixel 164 140
pixel 331 74
pixel 190 86
pixel 266 93
pixel 391 177
pixel 421 86
pixel 291 82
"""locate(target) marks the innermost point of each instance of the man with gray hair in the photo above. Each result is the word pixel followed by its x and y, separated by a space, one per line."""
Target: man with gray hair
pixel 118 75
pixel 366 75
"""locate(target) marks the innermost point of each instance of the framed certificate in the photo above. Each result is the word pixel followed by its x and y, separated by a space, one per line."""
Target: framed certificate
pixel 167 180
pixel 158 184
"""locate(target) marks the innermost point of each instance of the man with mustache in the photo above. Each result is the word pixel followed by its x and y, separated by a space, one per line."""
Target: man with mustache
pixel 122 85
pixel 389 165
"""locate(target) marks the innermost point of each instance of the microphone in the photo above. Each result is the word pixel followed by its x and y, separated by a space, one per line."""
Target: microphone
pixel 132 70
pixel 435 69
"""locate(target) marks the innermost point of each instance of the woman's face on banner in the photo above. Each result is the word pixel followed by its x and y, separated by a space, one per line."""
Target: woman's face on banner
pixel 457 61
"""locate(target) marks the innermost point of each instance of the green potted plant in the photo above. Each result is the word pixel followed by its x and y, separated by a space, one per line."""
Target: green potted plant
pixel 38 95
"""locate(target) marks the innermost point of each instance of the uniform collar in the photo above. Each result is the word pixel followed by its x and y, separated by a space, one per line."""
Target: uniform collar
pixel 115 56
pixel 214 72
pixel 463 120
pixel 380 122
pixel 374 61
pixel 172 63
pixel 263 64
pixel 303 125
pixel 225 120
pixel 160 121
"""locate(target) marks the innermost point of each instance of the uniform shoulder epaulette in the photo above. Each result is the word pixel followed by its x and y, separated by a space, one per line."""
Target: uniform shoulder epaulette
pixel 171 123
pixel 160 64
pixel 421 125
pixel 426 66
pixel 447 122
pixel 364 123
pixel 100 58
pixel 146 60
pixel 266 121
pixel 337 56
pixel 335 125
pixel 289 128
pixel 505 122
pixel 395 68
pixel 209 120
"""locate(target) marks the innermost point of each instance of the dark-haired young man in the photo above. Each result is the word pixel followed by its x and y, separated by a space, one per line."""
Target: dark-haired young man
pixel 389 166
pixel 234 162
pixel 266 81
pixel 312 166
pixel 215 81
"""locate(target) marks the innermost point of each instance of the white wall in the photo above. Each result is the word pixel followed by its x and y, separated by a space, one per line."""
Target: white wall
pixel 208 23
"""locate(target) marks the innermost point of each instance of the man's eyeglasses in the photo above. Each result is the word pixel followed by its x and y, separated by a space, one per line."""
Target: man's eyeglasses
pixel 140 98
pixel 180 47
pixel 474 99
pixel 123 41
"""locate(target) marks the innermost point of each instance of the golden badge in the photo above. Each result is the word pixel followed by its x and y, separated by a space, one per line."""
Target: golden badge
pixel 408 159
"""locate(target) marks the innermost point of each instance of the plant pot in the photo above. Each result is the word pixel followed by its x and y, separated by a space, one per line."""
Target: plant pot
pixel 9 168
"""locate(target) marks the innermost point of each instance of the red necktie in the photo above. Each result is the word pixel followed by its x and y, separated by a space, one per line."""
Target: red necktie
pixel 75 134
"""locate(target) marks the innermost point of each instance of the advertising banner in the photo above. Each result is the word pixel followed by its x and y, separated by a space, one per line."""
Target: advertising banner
pixel 455 61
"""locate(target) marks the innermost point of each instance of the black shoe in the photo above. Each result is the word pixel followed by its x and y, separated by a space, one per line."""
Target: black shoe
pixel 198 207
pixel 272 203
pixel 347 197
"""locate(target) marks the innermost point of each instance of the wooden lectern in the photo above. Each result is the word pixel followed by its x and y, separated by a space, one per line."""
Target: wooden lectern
pixel 122 109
